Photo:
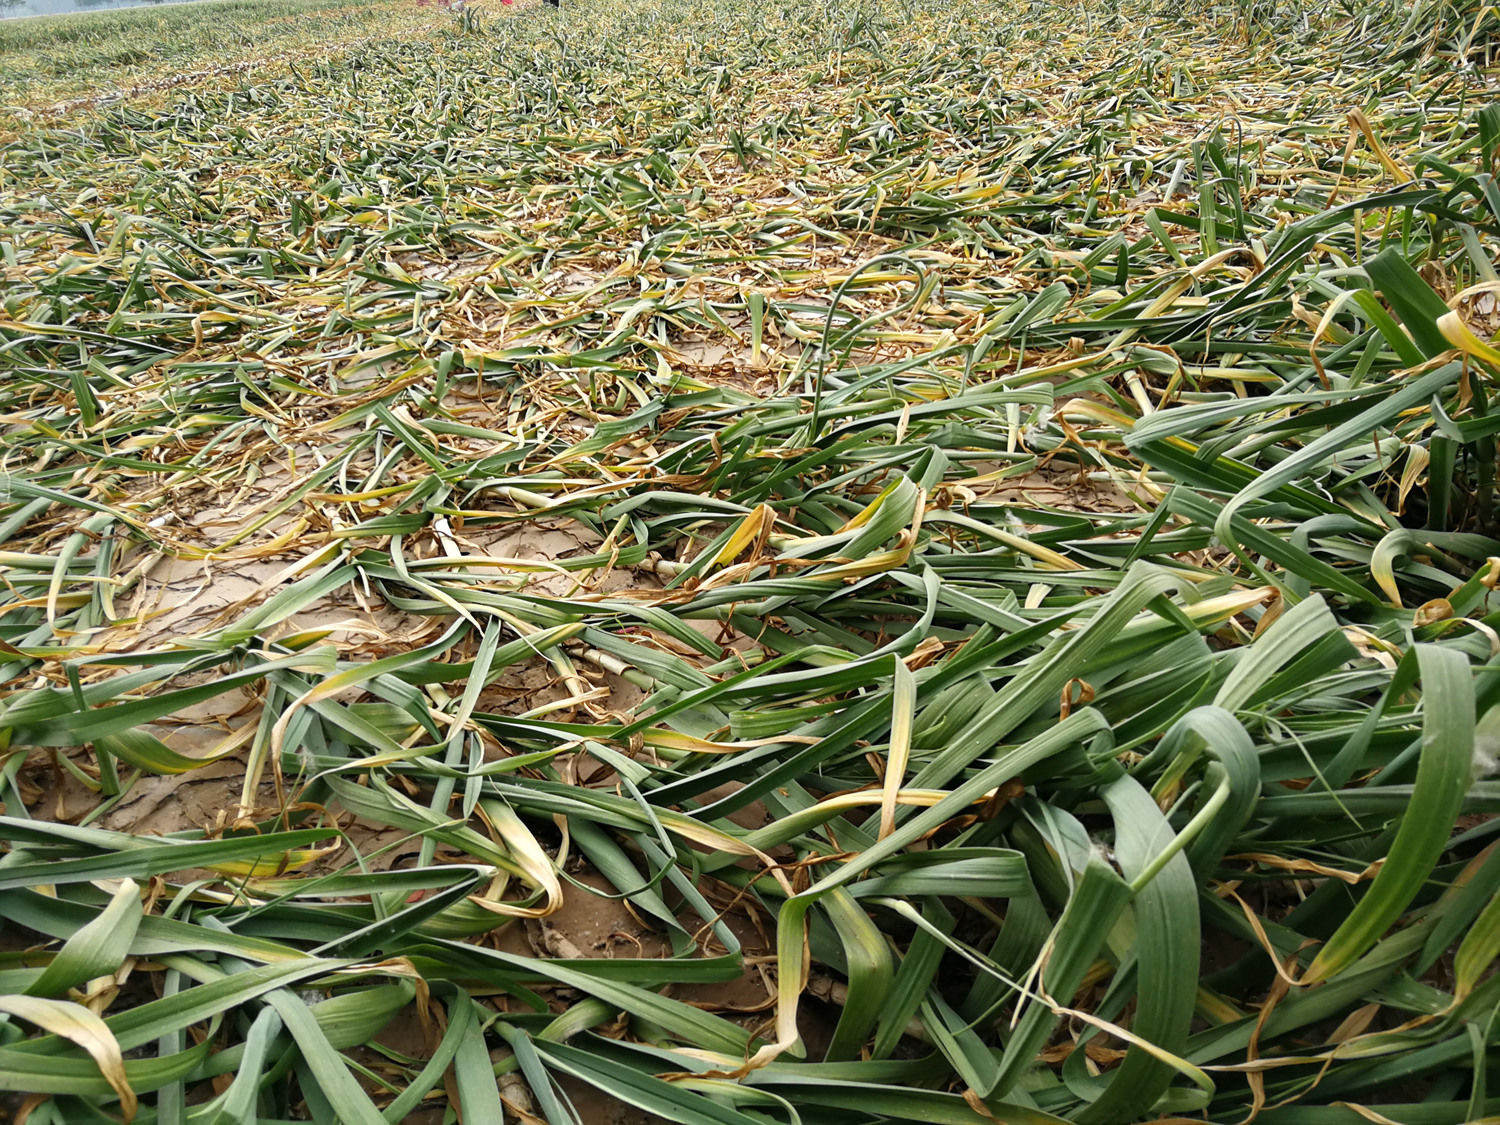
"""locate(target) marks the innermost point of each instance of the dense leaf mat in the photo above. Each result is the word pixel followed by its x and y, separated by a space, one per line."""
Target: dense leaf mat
pixel 964 531
pixel 50 65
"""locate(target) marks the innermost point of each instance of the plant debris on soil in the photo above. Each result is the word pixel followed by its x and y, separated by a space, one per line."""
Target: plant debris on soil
pixel 723 563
